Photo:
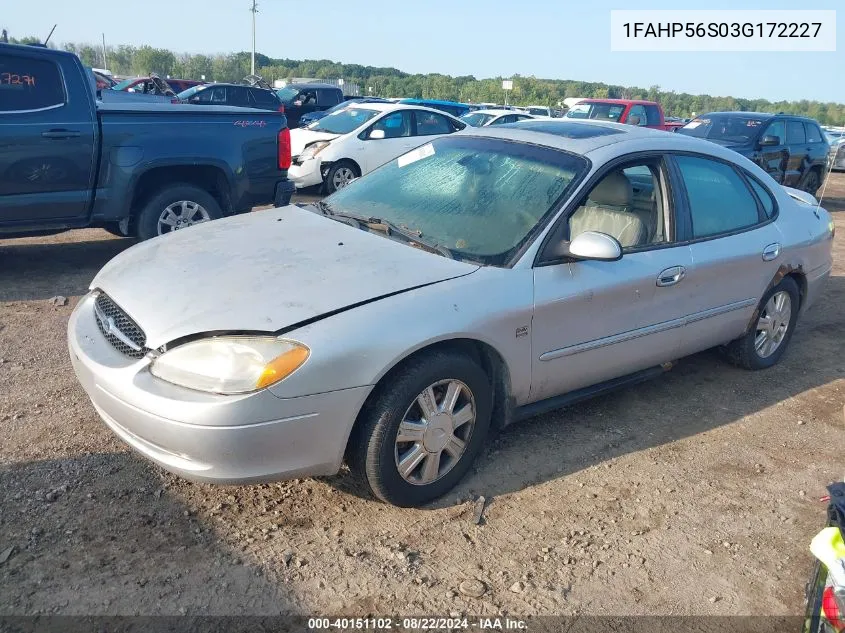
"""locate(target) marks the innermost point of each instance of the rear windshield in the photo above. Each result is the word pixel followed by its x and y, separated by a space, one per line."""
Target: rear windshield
pixel 599 111
pixel 735 128
pixel 477 119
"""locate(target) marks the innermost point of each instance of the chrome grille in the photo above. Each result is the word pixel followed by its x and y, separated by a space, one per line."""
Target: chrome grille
pixel 118 329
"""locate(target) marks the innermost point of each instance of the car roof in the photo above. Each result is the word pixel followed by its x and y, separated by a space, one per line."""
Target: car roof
pixel 585 137
pixel 740 113
pixel 490 111
pixel 437 101
pixel 390 107
pixel 617 101
pixel 314 85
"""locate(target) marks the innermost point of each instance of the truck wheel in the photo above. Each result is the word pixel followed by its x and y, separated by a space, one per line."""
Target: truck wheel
pixel 176 207
pixel 339 175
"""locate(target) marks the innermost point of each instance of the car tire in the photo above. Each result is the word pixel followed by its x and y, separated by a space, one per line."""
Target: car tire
pixel 376 449
pixel 182 203
pixel 114 229
pixel 764 343
pixel 339 175
pixel 812 182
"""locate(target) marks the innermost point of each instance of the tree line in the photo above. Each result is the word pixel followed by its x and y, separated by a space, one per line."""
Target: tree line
pixel 390 82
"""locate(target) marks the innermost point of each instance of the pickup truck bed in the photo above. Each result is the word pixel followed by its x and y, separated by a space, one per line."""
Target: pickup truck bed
pixel 136 168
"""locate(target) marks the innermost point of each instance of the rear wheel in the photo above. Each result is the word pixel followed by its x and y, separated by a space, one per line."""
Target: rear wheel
pixel 764 344
pixel 176 207
pixel 339 175
pixel 812 182
pixel 423 430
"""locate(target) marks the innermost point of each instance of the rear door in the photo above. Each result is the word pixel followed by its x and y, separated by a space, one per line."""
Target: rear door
pixel 796 138
pixel 735 247
pixel 47 141
pixel 775 158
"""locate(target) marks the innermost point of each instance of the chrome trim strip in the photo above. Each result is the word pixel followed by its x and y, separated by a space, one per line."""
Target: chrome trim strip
pixel 646 331
pixel 44 109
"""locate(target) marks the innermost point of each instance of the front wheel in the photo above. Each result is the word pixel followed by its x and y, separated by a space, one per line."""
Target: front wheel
pixel 339 175
pixel 176 207
pixel 764 344
pixel 423 430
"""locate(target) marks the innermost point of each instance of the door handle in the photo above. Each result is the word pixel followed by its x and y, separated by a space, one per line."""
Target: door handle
pixel 60 134
pixel 671 276
pixel 771 252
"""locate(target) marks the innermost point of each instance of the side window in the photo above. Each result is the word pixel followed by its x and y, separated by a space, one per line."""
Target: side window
pixel 765 197
pixel 264 99
pixel 777 128
pixel 29 84
pixel 327 98
pixel 239 97
pixel 652 115
pixel 508 118
pixel 637 116
pixel 396 125
pixel 628 203
pixel 795 133
pixel 719 199
pixel 430 123
pixel 814 134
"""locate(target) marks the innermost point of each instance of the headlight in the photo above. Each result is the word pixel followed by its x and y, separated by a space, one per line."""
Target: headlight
pixel 313 149
pixel 230 364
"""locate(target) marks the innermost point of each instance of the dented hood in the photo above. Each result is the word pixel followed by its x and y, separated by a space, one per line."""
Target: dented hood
pixel 263 271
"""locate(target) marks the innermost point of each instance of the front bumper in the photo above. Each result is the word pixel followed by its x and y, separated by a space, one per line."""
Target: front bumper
pixel 208 437
pixel 306 174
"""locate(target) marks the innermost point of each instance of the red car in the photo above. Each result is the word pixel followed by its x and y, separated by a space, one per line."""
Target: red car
pixel 631 111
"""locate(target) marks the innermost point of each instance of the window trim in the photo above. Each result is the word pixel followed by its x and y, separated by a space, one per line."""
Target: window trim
pixel 762 218
pixel 670 207
pixel 62 80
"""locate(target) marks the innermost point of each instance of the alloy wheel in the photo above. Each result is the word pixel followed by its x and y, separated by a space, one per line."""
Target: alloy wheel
pixel 773 324
pixel 434 432
pixel 342 177
pixel 180 215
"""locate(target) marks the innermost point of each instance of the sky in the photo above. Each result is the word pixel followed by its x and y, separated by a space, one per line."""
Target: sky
pixel 550 39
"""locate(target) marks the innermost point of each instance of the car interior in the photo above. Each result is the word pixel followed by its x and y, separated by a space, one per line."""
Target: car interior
pixel 626 204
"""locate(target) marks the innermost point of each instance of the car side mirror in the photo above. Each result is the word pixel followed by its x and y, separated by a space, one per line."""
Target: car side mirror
pixel 592 245
pixel 376 134
pixel 769 140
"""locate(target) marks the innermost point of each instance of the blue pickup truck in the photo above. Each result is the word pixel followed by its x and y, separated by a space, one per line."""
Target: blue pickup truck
pixel 68 160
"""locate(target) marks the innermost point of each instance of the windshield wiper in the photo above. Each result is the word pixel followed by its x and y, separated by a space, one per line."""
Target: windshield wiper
pixel 390 229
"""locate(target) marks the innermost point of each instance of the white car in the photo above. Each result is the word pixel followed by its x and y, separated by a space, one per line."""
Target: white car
pixel 353 141
pixel 483 118
pixel 539 110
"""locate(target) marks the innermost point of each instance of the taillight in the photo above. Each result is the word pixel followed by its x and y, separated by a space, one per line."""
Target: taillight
pixel 284 149
pixel 831 610
pixel 282 108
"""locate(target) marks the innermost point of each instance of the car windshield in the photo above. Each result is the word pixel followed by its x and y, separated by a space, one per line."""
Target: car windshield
pixel 600 111
pixel 481 198
pixel 124 84
pixel 734 128
pixel 477 119
pixel 287 94
pixel 344 121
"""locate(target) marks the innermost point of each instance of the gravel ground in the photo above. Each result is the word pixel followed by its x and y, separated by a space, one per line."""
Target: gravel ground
pixel 695 493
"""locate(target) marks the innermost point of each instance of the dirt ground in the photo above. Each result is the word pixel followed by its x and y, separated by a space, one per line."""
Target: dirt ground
pixel 696 493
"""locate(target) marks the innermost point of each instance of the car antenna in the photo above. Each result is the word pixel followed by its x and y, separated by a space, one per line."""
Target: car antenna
pixel 51 34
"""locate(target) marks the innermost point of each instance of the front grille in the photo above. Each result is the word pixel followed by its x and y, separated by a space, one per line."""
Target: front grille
pixel 118 329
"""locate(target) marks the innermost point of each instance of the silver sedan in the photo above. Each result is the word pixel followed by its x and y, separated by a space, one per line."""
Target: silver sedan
pixel 475 281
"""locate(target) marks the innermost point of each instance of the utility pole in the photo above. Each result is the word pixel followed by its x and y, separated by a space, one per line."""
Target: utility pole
pixel 105 56
pixel 254 10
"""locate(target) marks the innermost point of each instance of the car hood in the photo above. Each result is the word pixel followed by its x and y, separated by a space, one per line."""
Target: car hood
pixel 263 271
pixel 300 137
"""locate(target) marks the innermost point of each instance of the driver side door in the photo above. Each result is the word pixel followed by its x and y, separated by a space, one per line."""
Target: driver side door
pixel 774 158
pixel 397 130
pixel 599 320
